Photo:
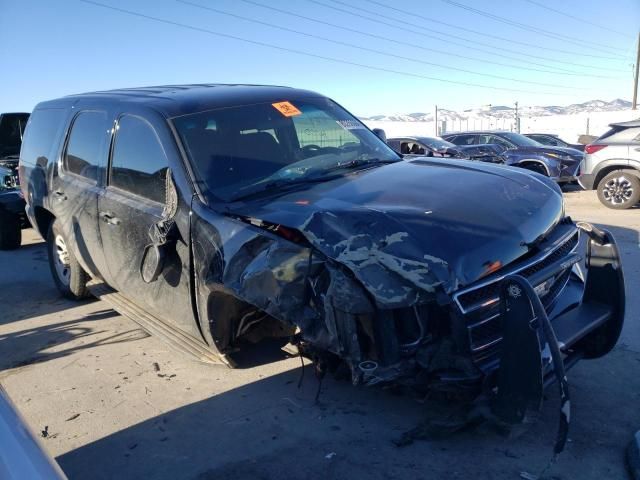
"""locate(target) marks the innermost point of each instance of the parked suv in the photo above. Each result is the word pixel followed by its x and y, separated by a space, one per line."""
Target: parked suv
pixel 409 147
pixel 612 166
pixel 229 213
pixel 12 217
pixel 560 164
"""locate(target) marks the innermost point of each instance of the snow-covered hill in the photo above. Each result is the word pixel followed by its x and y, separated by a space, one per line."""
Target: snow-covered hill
pixel 569 122
pixel 503 111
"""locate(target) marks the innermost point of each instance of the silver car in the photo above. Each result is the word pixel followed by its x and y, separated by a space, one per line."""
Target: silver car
pixel 612 166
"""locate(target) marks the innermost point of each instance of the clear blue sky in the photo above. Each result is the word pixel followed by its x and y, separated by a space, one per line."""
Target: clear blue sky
pixel 53 48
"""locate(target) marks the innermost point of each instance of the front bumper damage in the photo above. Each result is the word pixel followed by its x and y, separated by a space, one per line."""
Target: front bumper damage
pixel 535 351
pixel 390 320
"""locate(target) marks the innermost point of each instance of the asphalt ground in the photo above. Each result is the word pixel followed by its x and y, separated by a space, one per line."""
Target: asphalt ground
pixel 110 401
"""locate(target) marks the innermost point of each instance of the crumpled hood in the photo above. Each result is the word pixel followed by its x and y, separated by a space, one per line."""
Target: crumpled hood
pixel 407 228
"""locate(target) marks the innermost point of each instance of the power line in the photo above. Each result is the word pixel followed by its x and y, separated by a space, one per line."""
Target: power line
pixel 300 52
pixel 400 42
pixel 546 7
pixel 540 31
pixel 367 49
pixel 447 37
pixel 478 32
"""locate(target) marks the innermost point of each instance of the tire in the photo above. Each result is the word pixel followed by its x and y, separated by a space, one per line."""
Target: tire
pixel 536 167
pixel 67 273
pixel 619 190
pixel 10 231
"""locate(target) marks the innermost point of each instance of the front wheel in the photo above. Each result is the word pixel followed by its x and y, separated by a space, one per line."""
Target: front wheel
pixel 536 167
pixel 619 190
pixel 67 273
pixel 10 231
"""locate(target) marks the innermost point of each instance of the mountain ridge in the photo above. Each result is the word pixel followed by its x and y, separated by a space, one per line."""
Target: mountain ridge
pixel 503 111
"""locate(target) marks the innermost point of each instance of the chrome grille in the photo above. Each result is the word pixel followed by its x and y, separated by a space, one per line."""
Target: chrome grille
pixel 482 306
pixel 477 297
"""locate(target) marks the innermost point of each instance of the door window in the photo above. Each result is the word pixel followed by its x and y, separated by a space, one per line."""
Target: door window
pixel 498 141
pixel 86 144
pixel 138 162
pixel 464 140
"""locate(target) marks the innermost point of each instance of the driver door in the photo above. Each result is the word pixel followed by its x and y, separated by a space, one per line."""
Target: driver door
pixel 132 203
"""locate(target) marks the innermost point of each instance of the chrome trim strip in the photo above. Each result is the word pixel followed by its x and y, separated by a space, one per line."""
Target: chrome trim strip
pixel 560 242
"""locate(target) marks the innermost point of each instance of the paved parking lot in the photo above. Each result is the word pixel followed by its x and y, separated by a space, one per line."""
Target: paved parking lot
pixel 117 403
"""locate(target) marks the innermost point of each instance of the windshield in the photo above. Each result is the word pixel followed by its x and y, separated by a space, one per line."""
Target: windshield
pixel 519 139
pixel 437 143
pixel 240 150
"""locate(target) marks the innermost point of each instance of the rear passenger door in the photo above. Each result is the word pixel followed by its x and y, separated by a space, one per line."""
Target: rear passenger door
pixel 77 184
pixel 132 202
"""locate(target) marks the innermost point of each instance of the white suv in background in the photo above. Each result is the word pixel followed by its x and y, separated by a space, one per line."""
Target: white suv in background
pixel 612 166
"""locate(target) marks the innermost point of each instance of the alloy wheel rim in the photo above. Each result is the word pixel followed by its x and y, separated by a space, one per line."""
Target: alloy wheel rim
pixel 617 190
pixel 61 260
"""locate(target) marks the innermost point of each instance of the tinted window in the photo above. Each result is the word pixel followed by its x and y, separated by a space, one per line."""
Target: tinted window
pixel 40 136
pixel 498 141
pixel 463 140
pixel 86 144
pixel 11 130
pixel 254 147
pixel 138 164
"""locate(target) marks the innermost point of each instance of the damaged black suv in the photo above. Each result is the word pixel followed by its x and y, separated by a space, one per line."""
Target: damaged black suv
pixel 220 213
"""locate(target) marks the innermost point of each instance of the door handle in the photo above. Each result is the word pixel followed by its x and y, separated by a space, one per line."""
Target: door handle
pixel 60 195
pixel 109 218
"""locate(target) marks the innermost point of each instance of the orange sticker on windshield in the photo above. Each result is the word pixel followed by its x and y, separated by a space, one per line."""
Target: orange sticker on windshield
pixel 286 109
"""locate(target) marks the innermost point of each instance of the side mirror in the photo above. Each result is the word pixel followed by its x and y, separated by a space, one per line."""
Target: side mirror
pixel 152 262
pixel 380 134
pixel 162 235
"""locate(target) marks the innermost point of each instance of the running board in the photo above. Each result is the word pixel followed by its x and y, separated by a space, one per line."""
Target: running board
pixel 154 326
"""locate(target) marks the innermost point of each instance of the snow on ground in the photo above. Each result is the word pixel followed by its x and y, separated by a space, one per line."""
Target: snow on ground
pixel 568 127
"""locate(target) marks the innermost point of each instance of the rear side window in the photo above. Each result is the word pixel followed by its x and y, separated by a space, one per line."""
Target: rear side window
pixel 620 134
pixel 464 140
pixel 40 136
pixel 494 139
pixel 138 163
pixel 85 148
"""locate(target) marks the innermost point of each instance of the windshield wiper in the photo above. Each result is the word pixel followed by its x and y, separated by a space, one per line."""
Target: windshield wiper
pixel 280 183
pixel 320 176
pixel 358 163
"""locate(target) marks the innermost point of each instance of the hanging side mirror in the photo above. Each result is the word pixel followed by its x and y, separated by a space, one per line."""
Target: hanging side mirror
pixel 152 262
pixel 162 235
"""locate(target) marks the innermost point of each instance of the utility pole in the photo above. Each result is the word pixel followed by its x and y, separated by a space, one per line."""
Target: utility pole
pixel 517 119
pixel 635 79
pixel 436 117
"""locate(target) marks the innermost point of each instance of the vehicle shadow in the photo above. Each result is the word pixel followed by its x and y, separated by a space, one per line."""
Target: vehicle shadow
pixel 269 429
pixel 47 342
pixel 26 287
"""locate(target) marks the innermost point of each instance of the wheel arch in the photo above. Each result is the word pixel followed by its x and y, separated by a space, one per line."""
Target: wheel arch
pixel 44 218
pixel 531 161
pixel 605 170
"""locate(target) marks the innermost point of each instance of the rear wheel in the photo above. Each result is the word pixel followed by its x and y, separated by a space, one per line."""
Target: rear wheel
pixel 619 190
pixel 10 231
pixel 67 273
